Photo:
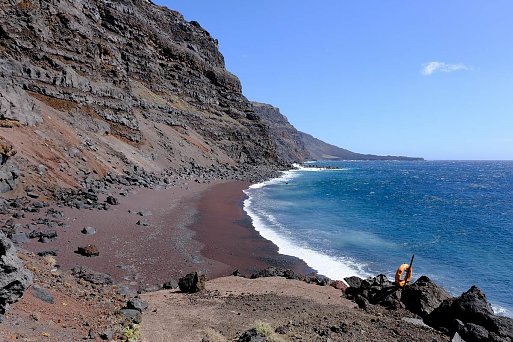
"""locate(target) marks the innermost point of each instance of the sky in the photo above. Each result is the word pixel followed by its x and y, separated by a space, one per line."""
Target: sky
pixel 432 79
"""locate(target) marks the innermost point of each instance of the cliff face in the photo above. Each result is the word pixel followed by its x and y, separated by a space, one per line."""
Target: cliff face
pixel 320 150
pixel 121 82
pixel 295 146
pixel 289 144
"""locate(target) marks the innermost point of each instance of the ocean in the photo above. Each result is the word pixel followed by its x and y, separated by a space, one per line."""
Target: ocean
pixel 368 217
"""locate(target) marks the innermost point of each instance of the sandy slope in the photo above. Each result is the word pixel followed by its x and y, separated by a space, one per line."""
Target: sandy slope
pixel 302 312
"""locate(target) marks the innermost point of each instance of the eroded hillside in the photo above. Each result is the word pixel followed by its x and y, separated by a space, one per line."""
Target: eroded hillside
pixel 90 87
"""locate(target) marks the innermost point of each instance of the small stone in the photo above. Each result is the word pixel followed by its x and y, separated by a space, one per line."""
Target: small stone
pixel 47 236
pixel 91 335
pixel 88 251
pixel 143 223
pixel 52 252
pixel 32 194
pixel 171 284
pixel 41 169
pixel 132 315
pixel 112 200
pixel 42 294
pixel 88 230
pixel 137 304
pixel 106 335
pixel 145 213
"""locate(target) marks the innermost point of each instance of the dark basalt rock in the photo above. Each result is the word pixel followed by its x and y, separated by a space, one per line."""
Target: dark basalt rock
pixel 137 304
pixel 274 272
pixel 354 282
pixel 91 276
pixel 14 278
pixel 52 252
pixel 470 315
pixel 376 290
pixel 88 251
pixel 423 296
pixel 251 336
pixel 88 230
pixel 42 294
pixel 192 282
pixel 132 315
pixel 112 200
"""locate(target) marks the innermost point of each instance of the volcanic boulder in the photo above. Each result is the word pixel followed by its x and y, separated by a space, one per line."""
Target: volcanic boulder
pixel 472 317
pixel 192 282
pixel 14 278
pixel 423 296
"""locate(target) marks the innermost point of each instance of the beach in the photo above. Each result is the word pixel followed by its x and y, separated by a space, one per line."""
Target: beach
pixel 156 235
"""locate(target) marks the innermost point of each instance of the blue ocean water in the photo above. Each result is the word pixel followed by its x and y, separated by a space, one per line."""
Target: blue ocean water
pixel 367 218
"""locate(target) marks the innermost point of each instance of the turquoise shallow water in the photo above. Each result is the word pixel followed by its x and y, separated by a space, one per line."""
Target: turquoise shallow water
pixel 369 217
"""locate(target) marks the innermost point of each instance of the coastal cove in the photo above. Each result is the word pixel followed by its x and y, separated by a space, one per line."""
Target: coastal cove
pixel 366 218
pixel 147 193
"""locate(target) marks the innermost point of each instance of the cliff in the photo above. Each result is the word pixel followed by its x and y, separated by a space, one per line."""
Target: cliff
pixel 320 150
pixel 295 146
pixel 96 87
pixel 289 143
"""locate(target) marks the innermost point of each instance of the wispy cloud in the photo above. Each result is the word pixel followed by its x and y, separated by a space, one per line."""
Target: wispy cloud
pixel 432 67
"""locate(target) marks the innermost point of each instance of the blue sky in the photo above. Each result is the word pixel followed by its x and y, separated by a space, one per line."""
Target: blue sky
pixel 431 79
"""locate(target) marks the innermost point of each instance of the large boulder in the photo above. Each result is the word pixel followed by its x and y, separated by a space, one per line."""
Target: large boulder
pixel 14 278
pixel 423 296
pixel 472 317
pixel 375 290
pixel 192 282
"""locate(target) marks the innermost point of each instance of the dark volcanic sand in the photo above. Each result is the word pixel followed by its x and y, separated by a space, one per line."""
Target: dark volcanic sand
pixel 193 227
pixel 228 236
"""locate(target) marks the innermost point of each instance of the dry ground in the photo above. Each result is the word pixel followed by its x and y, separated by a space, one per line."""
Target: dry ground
pixel 296 310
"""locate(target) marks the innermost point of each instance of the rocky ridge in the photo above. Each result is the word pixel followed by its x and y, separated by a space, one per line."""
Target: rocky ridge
pixel 296 146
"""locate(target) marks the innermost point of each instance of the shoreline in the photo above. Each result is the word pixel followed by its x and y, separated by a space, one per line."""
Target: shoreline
pixel 186 228
pixel 228 236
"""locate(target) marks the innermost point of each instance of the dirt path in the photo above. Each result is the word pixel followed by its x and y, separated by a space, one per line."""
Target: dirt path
pixel 296 310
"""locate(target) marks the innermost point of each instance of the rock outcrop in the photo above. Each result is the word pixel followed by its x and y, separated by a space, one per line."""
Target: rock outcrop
pixel 14 278
pixel 192 282
pixel 471 316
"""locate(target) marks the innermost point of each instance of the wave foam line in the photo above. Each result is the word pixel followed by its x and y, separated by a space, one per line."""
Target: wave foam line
pixel 501 311
pixel 329 266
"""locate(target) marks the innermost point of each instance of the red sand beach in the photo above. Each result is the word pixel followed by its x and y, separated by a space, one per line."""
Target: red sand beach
pixel 227 235
pixel 192 227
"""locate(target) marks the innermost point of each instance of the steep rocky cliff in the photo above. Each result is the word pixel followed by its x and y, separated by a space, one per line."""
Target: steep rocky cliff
pixel 295 146
pixel 94 86
pixel 320 150
pixel 289 144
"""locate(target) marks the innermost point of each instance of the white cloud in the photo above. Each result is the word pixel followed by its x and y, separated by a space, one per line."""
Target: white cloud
pixel 432 67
